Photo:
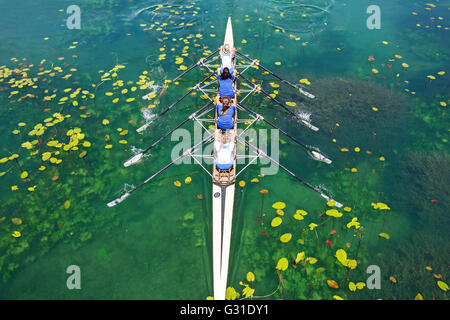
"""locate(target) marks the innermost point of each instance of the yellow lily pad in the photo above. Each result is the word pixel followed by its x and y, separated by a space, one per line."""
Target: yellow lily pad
pixel 279 205
pixel 442 285
pixel 16 234
pixel 276 222
pixel 282 264
pixel 286 237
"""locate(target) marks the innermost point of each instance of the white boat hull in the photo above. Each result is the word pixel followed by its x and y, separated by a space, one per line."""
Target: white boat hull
pixel 223 201
pixel 229 34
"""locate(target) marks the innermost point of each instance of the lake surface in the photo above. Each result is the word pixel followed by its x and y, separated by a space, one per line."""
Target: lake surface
pixel 381 106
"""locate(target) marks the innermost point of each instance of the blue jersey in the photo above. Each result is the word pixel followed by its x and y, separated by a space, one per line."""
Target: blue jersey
pixel 226 121
pixel 226 87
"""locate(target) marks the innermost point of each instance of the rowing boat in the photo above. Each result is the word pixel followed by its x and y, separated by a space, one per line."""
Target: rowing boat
pixel 222 201
pixel 223 181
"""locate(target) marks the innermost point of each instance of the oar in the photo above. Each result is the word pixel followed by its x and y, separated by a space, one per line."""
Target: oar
pixel 142 128
pixel 199 62
pixel 262 153
pixel 138 157
pixel 306 123
pixel 316 155
pixel 186 153
pixel 309 95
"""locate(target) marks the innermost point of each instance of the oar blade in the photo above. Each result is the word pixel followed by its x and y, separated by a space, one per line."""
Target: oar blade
pixel 307 94
pixel 320 157
pixel 309 125
pixel 336 204
pixel 142 128
pixel 118 200
pixel 133 160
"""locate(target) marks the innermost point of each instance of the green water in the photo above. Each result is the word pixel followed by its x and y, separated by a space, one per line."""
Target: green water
pixel 157 244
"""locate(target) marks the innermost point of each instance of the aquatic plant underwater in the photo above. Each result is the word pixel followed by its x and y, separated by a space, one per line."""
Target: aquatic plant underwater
pixel 70 114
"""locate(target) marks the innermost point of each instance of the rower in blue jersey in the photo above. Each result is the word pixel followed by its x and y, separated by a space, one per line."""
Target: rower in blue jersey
pixel 225 112
pixel 226 88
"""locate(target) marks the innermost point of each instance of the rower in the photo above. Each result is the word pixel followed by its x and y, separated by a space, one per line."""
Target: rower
pixel 226 79
pixel 227 58
pixel 224 153
pixel 225 112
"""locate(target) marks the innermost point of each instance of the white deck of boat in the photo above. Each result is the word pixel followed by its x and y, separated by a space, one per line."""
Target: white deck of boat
pixel 222 206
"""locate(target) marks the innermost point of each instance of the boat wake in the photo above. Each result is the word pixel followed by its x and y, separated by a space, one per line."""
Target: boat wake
pixel 155 89
pixel 304 115
pixel 305 119
pixel 128 187
pixel 325 190
pixel 309 19
pixel 125 189
pixel 318 155
pixel 167 12
pixel 148 116
pixel 136 150
pixel 137 12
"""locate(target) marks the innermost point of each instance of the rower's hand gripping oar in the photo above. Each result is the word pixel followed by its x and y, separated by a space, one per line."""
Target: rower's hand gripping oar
pixel 262 153
pixel 199 62
pixel 316 155
pixel 256 63
pixel 258 87
pixel 186 153
pixel 138 157
pixel 142 128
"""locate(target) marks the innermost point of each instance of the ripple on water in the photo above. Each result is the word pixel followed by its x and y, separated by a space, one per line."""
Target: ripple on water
pixel 298 18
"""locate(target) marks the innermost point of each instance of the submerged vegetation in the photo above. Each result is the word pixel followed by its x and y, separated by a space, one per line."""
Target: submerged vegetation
pixel 425 176
pixel 368 108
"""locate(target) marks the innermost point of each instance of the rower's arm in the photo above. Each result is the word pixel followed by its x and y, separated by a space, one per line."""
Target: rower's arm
pixel 217 145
